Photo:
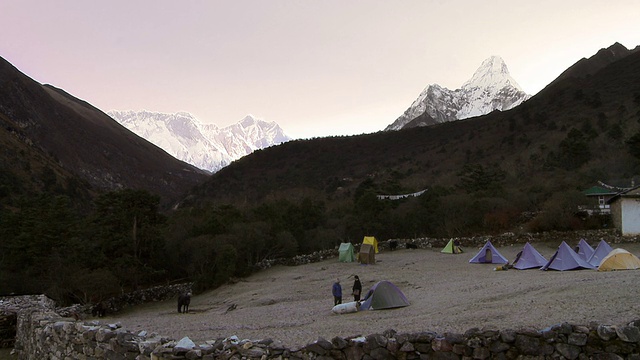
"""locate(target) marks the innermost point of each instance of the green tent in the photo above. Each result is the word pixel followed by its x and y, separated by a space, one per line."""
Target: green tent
pixel 451 248
pixel 346 253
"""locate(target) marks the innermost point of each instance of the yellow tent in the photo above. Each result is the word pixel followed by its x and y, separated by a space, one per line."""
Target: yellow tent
pixel 619 259
pixel 371 240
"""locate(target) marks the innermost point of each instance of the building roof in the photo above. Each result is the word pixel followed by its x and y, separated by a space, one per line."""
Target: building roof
pixel 598 191
pixel 631 193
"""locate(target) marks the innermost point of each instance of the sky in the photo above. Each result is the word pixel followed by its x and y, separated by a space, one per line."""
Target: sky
pixel 316 67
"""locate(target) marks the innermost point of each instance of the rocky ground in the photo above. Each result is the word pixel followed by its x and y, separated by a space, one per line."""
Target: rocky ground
pixel 447 294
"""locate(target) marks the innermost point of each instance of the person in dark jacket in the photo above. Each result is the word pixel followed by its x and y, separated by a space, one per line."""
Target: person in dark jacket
pixel 357 289
pixel 337 292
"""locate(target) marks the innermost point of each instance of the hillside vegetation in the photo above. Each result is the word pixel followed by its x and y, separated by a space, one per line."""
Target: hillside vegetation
pixel 514 171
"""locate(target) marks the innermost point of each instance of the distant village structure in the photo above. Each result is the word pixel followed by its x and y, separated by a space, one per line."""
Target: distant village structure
pixel 403 196
pixel 625 211
pixel 599 196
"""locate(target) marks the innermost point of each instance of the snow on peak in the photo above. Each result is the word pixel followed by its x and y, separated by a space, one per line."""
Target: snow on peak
pixel 493 72
pixel 203 145
pixel 490 88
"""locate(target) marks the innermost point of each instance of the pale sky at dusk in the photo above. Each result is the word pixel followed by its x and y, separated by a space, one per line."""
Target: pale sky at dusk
pixel 316 67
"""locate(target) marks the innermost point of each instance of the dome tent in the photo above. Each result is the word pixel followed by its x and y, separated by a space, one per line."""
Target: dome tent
pixel 384 295
pixel 619 259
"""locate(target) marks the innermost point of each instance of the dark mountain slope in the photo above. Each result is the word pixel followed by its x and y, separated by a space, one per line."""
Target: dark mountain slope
pixel 589 66
pixel 85 141
pixel 536 144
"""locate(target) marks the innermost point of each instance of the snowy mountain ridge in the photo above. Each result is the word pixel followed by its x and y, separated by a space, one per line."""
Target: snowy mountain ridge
pixel 490 88
pixel 205 146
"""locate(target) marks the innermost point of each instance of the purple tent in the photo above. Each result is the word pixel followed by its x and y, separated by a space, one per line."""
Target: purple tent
pixel 529 258
pixel 584 250
pixel 603 249
pixel 488 255
pixel 566 259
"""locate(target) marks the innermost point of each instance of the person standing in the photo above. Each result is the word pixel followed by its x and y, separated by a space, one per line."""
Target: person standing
pixel 337 292
pixel 357 289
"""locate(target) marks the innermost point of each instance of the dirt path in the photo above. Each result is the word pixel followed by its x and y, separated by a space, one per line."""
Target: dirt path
pixel 447 294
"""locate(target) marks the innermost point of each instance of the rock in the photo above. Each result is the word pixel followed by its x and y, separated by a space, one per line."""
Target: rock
pixel 581 329
pixel 481 353
pixel 104 335
pixel 461 349
pixel 380 354
pixel 498 347
pixel 508 336
pixel 570 352
pixel 339 343
pixel 628 333
pixel 193 354
pixel 606 356
pixel 389 333
pixel 254 352
pixel 454 338
pixel 392 345
pixel 185 344
pixel 354 352
pixel 320 347
pixel 441 344
pixel 578 339
pixel 528 345
pixel 606 332
pixel 377 340
pixel 423 337
pixel 407 347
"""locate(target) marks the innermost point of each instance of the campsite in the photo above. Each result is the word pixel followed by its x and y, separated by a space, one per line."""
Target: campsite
pixel 445 291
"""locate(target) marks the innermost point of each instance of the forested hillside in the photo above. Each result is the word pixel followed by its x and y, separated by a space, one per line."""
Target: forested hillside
pixel 514 171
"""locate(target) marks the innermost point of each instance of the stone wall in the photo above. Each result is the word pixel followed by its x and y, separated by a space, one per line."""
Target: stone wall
pixel 46 335
pixel 10 306
pixel 611 236
pixel 117 303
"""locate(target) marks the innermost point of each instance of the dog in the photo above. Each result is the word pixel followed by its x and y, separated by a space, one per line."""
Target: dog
pixel 183 302
pixel 393 244
pixel 411 246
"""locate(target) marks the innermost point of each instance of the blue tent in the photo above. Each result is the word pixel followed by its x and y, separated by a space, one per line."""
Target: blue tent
pixel 584 250
pixel 488 255
pixel 529 258
pixel 566 259
pixel 603 249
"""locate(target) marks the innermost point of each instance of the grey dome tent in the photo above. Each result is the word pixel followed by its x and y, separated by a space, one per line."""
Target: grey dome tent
pixel 488 255
pixel 383 295
pixel 529 258
pixel 603 249
pixel 566 259
pixel 584 250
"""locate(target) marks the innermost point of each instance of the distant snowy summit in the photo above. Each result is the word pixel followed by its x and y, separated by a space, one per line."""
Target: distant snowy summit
pixel 490 88
pixel 205 146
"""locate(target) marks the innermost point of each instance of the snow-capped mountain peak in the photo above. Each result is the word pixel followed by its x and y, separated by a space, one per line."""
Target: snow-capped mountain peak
pixel 492 73
pixel 490 88
pixel 203 145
